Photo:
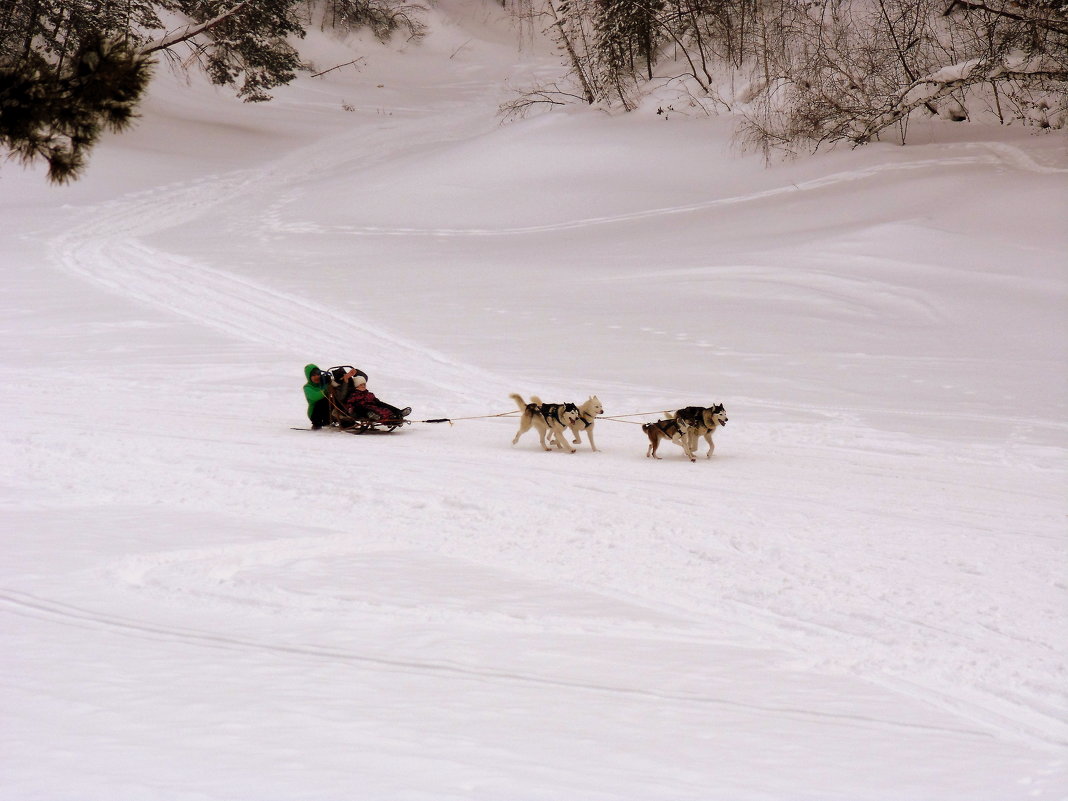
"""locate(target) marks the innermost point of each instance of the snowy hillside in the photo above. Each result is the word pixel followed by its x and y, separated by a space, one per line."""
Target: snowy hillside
pixel 861 595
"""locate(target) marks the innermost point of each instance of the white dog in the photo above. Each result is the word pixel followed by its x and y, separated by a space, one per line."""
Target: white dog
pixel 588 412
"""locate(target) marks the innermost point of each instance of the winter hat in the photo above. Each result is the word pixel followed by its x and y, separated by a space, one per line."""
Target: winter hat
pixel 360 380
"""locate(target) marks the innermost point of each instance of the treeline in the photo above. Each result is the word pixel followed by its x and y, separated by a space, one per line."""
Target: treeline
pixel 800 73
pixel 70 69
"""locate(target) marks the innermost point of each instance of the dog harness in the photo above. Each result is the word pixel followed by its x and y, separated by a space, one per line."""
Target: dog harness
pixel 553 410
pixel 586 423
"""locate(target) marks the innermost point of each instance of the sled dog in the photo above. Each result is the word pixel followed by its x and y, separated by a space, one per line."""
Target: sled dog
pixel 675 430
pixel 701 422
pixel 546 418
pixel 588 412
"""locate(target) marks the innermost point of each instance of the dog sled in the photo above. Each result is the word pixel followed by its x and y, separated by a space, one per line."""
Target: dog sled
pixel 350 417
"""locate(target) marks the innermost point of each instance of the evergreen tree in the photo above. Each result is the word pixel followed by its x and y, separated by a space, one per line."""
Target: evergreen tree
pixel 249 46
pixel 382 17
pixel 625 40
pixel 71 69
pixel 57 113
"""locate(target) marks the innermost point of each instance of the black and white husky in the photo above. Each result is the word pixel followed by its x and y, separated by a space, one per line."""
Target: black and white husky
pixel 701 421
pixel 546 418
pixel 588 411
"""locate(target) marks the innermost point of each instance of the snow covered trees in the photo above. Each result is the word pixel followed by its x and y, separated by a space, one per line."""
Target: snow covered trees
pixel 803 72
pixel 851 69
pixel 70 69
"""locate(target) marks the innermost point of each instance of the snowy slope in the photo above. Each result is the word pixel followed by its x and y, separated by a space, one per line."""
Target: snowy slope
pixel 860 596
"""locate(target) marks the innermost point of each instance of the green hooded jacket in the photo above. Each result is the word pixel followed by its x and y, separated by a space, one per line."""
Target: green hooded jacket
pixel 313 392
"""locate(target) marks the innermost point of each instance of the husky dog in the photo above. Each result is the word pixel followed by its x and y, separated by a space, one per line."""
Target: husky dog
pixel 554 418
pixel 673 429
pixel 588 412
pixel 702 422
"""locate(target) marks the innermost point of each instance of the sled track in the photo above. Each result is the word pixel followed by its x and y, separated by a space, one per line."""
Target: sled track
pixel 250 311
pixel 26 605
pixel 996 155
pixel 104 248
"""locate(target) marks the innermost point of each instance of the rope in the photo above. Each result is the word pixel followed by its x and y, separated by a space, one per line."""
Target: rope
pixel 618 418
pixel 451 420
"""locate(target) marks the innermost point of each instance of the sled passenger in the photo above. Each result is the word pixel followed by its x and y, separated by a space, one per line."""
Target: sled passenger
pixel 363 403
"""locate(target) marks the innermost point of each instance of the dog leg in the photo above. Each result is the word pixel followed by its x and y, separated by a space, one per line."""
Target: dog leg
pixel 711 445
pixel 561 439
pixel 589 436
pixel 576 434
pixel 684 441
pixel 542 425
pixel 542 431
pixel 524 427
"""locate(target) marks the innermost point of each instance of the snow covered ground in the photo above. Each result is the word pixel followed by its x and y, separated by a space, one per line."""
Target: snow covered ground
pixel 862 595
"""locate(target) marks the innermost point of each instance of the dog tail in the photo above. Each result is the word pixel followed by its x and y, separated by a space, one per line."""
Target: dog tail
pixel 518 401
pixel 669 415
pixel 535 400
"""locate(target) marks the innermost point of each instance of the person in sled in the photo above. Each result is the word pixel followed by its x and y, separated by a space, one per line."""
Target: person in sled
pixel 361 402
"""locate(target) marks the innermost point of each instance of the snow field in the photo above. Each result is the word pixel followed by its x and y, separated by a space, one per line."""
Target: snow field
pixel 861 595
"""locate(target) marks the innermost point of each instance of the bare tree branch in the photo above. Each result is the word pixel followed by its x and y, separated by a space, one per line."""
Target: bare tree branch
pixel 339 66
pixel 191 30
pixel 949 79
pixel 1057 26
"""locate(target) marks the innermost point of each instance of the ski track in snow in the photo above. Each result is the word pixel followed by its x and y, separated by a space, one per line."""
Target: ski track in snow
pixel 105 250
pixel 28 605
pixel 1000 156
pixel 233 576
